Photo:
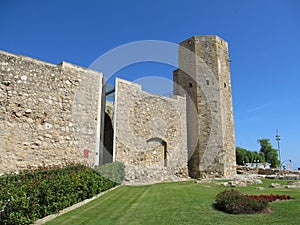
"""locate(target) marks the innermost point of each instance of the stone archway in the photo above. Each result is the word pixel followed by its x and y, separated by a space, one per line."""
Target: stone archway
pixel 158 151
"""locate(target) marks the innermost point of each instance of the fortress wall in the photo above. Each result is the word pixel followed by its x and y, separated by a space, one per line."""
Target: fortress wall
pixel 49 114
pixel 150 134
pixel 204 74
pixel 53 114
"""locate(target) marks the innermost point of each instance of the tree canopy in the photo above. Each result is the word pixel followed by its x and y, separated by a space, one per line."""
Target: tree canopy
pixel 270 154
pixel 266 154
pixel 246 156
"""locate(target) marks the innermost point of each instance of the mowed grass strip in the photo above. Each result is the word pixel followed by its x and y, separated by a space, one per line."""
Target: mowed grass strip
pixel 178 203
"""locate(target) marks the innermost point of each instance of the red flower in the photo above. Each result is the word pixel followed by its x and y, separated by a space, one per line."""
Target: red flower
pixel 269 198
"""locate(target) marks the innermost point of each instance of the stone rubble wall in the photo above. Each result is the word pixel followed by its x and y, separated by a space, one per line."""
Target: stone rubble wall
pixel 49 114
pixel 204 76
pixel 53 114
pixel 150 134
pixel 265 171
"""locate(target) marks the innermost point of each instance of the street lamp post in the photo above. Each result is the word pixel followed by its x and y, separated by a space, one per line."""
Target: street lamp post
pixel 278 140
pixel 282 164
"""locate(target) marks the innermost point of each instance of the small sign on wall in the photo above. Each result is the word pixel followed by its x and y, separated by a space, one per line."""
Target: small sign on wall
pixel 86 153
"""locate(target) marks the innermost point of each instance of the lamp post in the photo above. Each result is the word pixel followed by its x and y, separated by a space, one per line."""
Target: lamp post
pixel 278 140
pixel 282 164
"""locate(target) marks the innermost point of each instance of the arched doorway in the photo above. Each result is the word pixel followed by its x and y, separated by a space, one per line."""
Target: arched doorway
pixel 161 147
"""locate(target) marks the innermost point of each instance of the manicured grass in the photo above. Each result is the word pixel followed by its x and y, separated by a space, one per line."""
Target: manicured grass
pixel 178 203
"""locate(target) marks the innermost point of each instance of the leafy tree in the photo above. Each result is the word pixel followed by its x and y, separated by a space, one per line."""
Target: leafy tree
pixel 270 154
pixel 246 156
pixel 241 156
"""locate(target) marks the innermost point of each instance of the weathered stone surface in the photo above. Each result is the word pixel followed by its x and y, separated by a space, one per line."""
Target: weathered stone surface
pixel 284 177
pixel 204 76
pixel 50 114
pixel 295 185
pixel 150 134
pixel 275 185
pixel 242 181
pixel 44 113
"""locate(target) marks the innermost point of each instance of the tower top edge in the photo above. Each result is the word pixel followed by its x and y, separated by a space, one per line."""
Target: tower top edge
pixel 200 38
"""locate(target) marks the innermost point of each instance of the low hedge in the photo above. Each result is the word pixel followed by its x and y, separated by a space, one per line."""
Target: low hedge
pixel 34 194
pixel 234 202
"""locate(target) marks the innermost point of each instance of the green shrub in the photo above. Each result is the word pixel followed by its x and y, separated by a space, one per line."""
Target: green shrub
pixel 234 202
pixel 33 194
pixel 113 171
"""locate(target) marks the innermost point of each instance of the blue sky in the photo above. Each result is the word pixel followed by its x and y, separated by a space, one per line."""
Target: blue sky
pixel 263 36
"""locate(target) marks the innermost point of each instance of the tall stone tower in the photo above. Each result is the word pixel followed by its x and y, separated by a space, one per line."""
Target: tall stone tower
pixel 204 77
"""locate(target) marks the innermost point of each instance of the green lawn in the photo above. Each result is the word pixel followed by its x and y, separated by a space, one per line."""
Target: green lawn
pixel 178 203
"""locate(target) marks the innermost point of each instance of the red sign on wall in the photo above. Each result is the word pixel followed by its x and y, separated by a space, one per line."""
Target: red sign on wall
pixel 86 153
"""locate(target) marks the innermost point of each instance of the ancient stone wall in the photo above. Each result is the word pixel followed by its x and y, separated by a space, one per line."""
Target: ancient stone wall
pixel 49 114
pixel 204 75
pixel 52 114
pixel 150 134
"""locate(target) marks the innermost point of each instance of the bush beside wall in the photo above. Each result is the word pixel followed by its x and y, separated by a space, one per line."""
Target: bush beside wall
pixel 34 194
pixel 113 171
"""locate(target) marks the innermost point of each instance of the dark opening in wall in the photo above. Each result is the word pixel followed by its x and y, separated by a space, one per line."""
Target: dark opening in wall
pixel 207 82
pixel 225 85
pixel 108 140
pixel 190 85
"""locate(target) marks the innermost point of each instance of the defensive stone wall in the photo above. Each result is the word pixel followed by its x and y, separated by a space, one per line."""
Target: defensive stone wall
pixel 150 134
pixel 49 114
pixel 53 114
pixel 204 76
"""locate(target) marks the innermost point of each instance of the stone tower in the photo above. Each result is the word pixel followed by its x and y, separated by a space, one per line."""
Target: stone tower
pixel 204 77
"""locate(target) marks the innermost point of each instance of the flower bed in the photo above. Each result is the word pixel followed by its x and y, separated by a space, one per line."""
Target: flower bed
pixel 269 198
pixel 232 201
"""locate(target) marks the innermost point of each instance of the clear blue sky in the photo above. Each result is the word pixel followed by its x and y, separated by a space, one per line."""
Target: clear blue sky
pixel 263 36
